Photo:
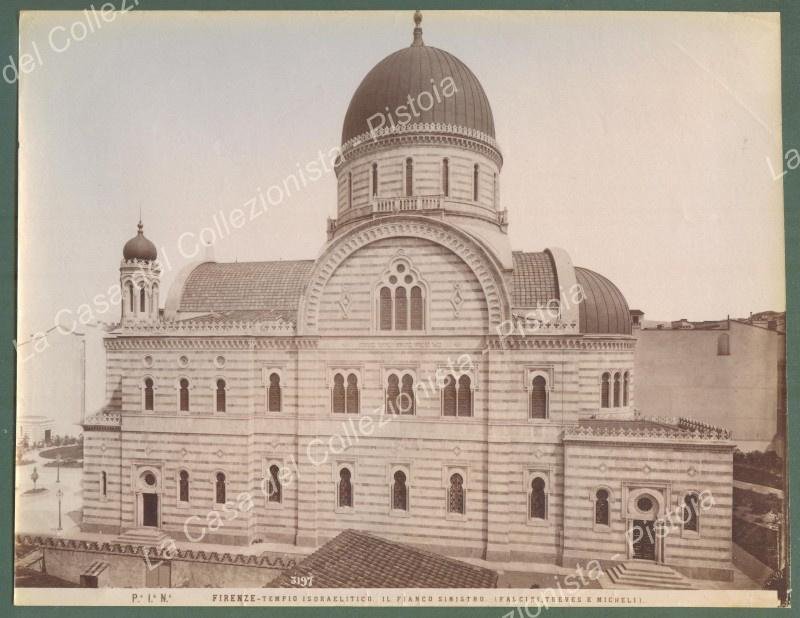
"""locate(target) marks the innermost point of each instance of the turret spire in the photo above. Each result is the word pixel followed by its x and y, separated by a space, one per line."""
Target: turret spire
pixel 417 42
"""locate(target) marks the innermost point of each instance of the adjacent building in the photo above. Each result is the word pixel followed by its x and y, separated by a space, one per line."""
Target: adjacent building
pixel 725 372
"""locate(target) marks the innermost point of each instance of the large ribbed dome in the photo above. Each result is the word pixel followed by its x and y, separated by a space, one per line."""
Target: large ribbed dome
pixel 410 72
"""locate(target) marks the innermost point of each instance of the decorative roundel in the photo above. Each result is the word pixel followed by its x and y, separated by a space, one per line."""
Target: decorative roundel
pixel 645 504
pixel 183 361
pixel 148 361
pixel 401 268
pixel 150 479
pixel 219 361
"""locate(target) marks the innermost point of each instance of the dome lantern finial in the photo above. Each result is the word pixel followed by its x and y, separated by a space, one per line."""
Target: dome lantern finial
pixel 417 42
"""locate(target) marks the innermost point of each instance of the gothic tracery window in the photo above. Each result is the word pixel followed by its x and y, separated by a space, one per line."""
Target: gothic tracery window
pixel 401 300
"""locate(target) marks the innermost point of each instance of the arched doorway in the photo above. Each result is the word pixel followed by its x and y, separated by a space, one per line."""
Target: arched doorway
pixel 644 507
pixel 148 499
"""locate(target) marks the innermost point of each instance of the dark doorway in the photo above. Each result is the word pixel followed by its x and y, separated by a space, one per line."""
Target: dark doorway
pixel 644 540
pixel 47 435
pixel 150 510
pixel 88 581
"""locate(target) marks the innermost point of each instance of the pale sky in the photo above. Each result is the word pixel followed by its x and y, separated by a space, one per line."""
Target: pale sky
pixel 638 142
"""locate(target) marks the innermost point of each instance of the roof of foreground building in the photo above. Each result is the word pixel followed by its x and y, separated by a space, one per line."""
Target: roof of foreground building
pixel 356 559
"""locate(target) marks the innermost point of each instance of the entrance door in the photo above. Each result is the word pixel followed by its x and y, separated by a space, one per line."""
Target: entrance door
pixel 644 540
pixel 47 436
pixel 150 510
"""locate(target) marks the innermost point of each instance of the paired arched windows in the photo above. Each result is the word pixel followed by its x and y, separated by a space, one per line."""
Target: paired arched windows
pixel 399 491
pixel 274 393
pixel 538 398
pixel 409 177
pixel 537 499
pixel 457 396
pixel 691 515
pixel 275 489
pixel 615 389
pixel 401 300
pixel 456 500
pixel 344 490
pixel 345 397
pixel 601 511
pixel 400 397
pixel 446 177
pixel 219 488
pixel 148 394
pixel 183 486
pixel 183 395
pixel 220 395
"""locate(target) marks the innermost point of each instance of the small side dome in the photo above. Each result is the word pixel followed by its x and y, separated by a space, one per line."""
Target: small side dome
pixel 139 247
pixel 604 310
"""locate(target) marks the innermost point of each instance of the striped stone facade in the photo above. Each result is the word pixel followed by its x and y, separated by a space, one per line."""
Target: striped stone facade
pixel 503 466
pixel 498 450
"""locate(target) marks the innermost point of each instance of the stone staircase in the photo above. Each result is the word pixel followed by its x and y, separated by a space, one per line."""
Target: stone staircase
pixel 144 536
pixel 638 575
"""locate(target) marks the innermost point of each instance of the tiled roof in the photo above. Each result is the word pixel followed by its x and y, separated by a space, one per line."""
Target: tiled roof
pixel 246 286
pixel 534 282
pixel 268 315
pixel 359 560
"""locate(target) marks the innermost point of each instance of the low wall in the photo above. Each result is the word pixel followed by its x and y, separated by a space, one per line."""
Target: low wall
pixel 128 566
